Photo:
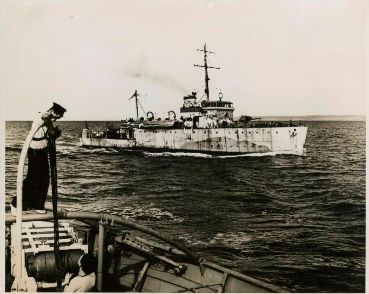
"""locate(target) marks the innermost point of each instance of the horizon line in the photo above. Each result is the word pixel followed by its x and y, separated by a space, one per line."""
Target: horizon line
pixel 263 116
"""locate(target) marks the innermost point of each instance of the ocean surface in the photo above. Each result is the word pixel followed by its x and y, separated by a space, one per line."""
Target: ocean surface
pixel 294 221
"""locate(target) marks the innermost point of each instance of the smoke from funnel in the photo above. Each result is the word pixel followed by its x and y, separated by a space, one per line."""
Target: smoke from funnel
pixel 140 71
pixel 158 78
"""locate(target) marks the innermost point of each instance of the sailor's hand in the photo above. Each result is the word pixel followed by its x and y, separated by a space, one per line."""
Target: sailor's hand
pixel 46 117
pixel 55 132
pixel 67 278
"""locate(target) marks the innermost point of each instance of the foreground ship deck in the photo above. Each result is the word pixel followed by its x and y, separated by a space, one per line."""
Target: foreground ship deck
pixel 127 261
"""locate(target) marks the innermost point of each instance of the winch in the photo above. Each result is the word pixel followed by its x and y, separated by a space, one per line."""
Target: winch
pixel 38 250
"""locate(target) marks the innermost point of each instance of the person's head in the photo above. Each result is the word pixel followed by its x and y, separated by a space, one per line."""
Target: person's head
pixel 57 110
pixel 87 263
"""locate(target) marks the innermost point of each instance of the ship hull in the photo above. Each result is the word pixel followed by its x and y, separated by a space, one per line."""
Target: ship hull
pixel 286 140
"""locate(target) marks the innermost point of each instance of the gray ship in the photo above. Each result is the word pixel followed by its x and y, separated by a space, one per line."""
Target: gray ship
pixel 203 125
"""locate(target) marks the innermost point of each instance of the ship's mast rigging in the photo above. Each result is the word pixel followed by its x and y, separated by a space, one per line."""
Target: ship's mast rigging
pixel 135 95
pixel 206 69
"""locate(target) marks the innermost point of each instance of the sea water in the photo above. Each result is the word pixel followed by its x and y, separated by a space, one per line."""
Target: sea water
pixel 295 221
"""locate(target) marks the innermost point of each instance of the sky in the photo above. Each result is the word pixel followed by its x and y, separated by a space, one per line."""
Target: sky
pixel 275 57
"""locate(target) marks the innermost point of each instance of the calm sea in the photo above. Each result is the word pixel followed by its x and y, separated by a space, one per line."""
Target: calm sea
pixel 296 222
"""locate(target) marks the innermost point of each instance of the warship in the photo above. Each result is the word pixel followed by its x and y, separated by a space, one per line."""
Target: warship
pixel 42 248
pixel 203 125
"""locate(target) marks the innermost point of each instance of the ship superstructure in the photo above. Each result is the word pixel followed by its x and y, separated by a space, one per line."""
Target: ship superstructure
pixel 203 125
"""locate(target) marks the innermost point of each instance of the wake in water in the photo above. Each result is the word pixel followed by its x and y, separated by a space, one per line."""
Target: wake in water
pixel 137 212
pixel 204 155
pixel 176 154
pixel 236 240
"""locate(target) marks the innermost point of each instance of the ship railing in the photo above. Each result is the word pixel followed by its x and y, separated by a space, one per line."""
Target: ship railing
pixel 274 124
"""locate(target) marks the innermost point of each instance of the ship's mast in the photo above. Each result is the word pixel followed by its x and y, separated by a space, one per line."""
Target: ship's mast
pixel 135 95
pixel 206 69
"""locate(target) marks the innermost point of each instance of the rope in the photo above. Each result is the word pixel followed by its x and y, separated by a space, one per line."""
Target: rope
pixel 201 98
pixel 141 106
pixel 54 187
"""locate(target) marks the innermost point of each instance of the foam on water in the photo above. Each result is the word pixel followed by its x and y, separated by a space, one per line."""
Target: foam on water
pixel 211 156
pixel 236 240
pixel 136 212
pixel 98 150
pixel 177 154
pixel 272 153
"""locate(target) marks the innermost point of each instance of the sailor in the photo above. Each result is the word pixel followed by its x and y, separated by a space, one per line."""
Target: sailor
pixel 36 183
pixel 86 279
pixel 188 123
